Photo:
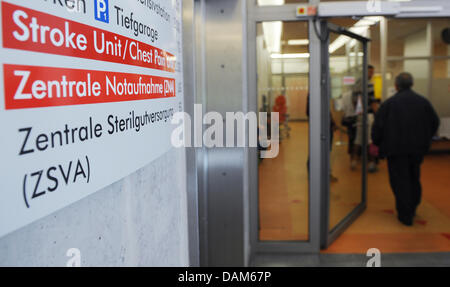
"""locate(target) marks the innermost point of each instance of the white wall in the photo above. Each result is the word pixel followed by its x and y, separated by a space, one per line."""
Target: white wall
pixel 416 45
pixel 291 66
pixel 140 220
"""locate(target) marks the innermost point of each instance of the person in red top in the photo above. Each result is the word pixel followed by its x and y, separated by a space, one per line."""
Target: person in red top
pixel 280 107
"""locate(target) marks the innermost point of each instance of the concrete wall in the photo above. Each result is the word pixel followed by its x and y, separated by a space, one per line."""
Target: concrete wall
pixel 139 221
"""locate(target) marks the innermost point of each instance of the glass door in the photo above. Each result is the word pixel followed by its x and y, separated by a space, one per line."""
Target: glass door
pixel 344 104
pixel 282 85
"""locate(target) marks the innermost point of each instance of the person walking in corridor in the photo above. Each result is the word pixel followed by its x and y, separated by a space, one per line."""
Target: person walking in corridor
pixel 371 110
pixel 403 128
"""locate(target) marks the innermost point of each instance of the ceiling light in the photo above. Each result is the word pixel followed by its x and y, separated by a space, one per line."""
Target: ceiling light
pixel 272 35
pixel 270 2
pixel 339 42
pixel 352 54
pixel 361 27
pixel 290 56
pixel 298 42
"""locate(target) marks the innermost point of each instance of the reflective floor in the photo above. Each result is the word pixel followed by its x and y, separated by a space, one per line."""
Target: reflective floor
pixel 283 189
pixel 378 226
pixel 284 203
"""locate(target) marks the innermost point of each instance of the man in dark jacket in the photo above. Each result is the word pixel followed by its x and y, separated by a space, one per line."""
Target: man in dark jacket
pixel 403 128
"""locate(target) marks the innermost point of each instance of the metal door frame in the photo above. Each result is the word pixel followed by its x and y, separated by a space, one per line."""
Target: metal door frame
pixel 327 235
pixel 257 14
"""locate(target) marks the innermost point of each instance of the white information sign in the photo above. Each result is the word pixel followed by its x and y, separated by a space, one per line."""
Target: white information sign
pixel 88 90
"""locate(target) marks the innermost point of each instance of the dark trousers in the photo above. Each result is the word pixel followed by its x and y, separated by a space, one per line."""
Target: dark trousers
pixel 404 177
pixel 351 132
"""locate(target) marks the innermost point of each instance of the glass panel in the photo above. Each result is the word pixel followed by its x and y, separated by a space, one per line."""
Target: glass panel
pixel 407 37
pixel 283 68
pixel 418 68
pixel 374 48
pixel 440 99
pixel 440 48
pixel 440 83
pixel 440 92
pixel 346 68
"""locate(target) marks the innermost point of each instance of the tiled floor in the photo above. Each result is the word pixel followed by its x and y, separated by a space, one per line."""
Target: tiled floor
pixel 353 260
pixel 283 184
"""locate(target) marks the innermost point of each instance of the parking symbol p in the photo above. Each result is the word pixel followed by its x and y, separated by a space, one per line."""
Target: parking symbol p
pixel 101 10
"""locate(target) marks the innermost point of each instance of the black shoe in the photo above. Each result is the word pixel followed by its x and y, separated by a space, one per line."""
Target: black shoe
pixel 408 221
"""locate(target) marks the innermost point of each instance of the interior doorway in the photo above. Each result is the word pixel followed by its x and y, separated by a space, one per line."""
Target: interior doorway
pixel 287 213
